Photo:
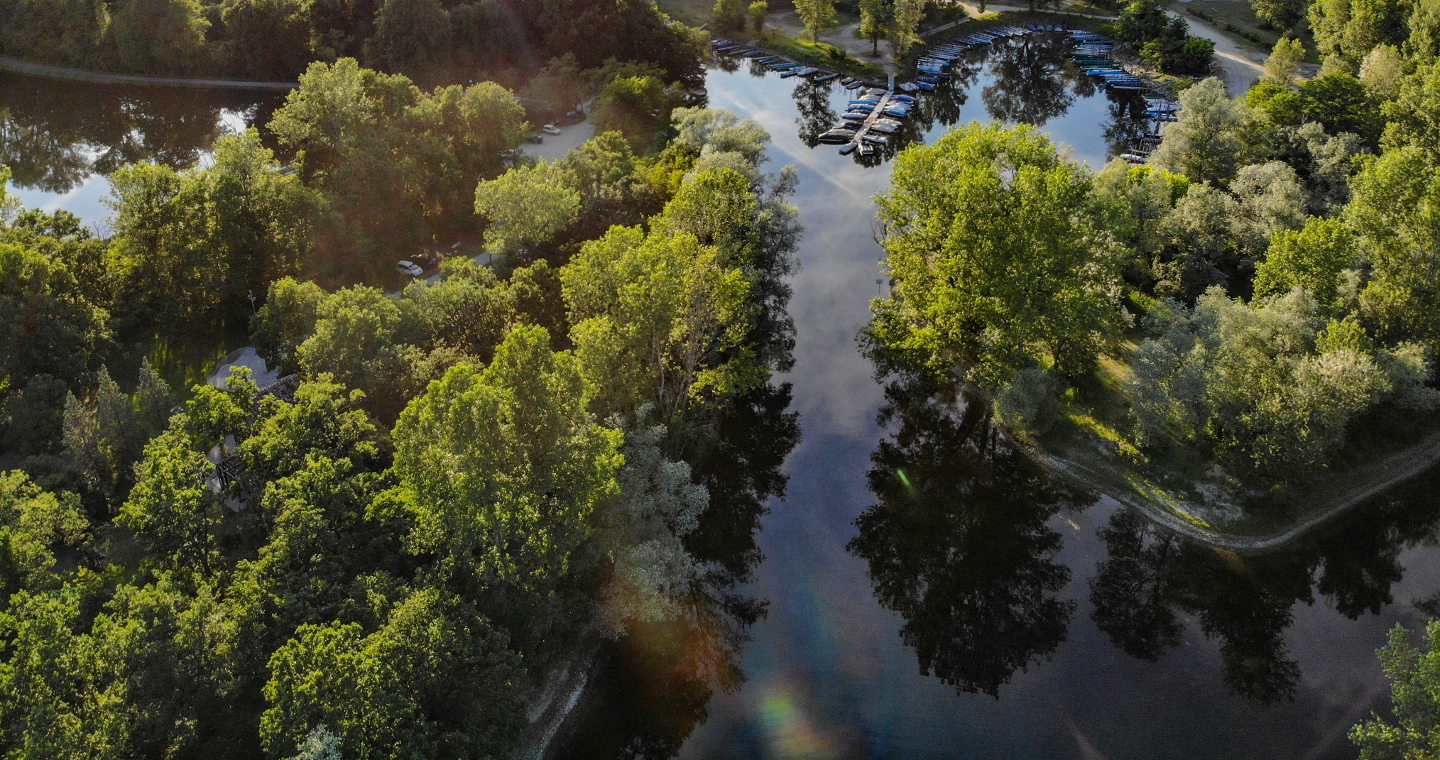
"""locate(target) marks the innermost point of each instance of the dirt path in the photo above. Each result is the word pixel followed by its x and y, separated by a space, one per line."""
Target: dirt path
pixel 99 77
pixel 1240 66
pixel 1372 481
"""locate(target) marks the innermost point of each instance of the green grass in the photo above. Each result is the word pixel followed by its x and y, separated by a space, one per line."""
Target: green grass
pixel 1236 18
pixel 819 54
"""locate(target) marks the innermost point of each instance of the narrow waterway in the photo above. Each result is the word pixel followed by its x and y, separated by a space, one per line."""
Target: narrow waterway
pixel 979 608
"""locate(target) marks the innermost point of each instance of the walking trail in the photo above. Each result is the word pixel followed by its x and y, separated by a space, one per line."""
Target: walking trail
pixel 100 77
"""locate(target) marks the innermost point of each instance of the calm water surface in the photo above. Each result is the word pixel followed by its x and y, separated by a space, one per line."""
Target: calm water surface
pixel 930 594
pixel 979 609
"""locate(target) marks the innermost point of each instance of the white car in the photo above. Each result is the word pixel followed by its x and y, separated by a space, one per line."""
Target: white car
pixel 408 267
pixel 550 129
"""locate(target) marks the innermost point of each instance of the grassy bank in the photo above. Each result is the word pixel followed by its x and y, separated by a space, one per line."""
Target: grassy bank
pixel 1239 21
pixel 820 54
pixel 1182 488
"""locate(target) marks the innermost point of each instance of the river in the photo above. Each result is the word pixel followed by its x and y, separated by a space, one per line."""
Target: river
pixel 930 593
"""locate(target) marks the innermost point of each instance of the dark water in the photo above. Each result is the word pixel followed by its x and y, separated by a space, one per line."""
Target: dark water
pixel 61 139
pixel 978 608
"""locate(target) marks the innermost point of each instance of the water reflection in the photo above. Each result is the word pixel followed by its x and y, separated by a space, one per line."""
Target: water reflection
pixel 655 683
pixel 959 542
pixel 1032 82
pixel 1149 579
pixel 54 135
pixel 1026 80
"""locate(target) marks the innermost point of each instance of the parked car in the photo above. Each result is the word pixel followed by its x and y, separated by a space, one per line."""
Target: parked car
pixel 534 139
pixel 428 260
pixel 550 129
pixel 408 267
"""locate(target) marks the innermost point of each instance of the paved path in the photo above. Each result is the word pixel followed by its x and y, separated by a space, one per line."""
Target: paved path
pixel 1240 66
pixel 100 77
pixel 556 146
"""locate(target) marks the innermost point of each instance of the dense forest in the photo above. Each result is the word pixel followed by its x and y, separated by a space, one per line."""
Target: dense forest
pixel 451 488
pixel 432 40
pixel 1258 294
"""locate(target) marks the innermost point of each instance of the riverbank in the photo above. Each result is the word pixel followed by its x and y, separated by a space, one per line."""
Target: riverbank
pixel 47 71
pixel 1184 516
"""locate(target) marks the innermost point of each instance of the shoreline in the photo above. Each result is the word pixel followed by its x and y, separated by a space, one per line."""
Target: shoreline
pixel 1394 470
pixel 47 71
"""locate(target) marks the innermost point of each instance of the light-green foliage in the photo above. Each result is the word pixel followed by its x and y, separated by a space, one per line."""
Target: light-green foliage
pixel 1247 383
pixel 436 678
pixel 1202 145
pixel 171 506
pixel 816 15
pixel 1312 258
pixel 525 207
pixel 997 259
pixel 658 318
pixel 1413 733
pixel 872 22
pixel 906 22
pixel 33 523
pixel 503 466
pixel 1395 212
pixel 1285 59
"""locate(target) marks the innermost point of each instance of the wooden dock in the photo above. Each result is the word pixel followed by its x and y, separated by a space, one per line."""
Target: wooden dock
pixel 870 120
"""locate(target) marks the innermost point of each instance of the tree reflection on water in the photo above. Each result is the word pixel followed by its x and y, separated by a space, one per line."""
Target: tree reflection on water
pixel 959 542
pixel 54 135
pixel 655 683
pixel 1150 578
pixel 1032 81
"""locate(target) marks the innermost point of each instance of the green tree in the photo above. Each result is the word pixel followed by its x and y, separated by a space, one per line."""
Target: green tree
pixel 503 466
pixel 1340 103
pixel 757 12
pixel 648 572
pixel 1312 258
pixel 1381 72
pixel 906 23
pixel 410 35
pixel 526 207
pixel 872 22
pixel 53 326
pixel 1279 14
pixel 33 523
pixel 1393 212
pixel 268 39
pixel 436 679
pixel 67 32
pixel 1413 117
pixel 1203 143
pixel 816 15
pixel 59 694
pixel 658 319
pixel 997 260
pixel 1414 674
pixel 157 36
pixel 729 15
pixel 291 310
pixel 353 337
pixel 172 506
pixel 1345 30
pixel 1285 59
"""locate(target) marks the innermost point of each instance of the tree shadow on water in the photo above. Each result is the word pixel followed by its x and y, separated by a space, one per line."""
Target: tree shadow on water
pixel 958 542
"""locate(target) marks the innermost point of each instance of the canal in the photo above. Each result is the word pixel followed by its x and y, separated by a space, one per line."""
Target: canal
pixel 930 593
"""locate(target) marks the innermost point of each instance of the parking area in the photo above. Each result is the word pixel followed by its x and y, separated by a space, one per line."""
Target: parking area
pixel 556 146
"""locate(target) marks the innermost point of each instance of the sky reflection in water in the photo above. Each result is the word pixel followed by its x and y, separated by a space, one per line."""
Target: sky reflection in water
pixel 1097 635
pixel 981 610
